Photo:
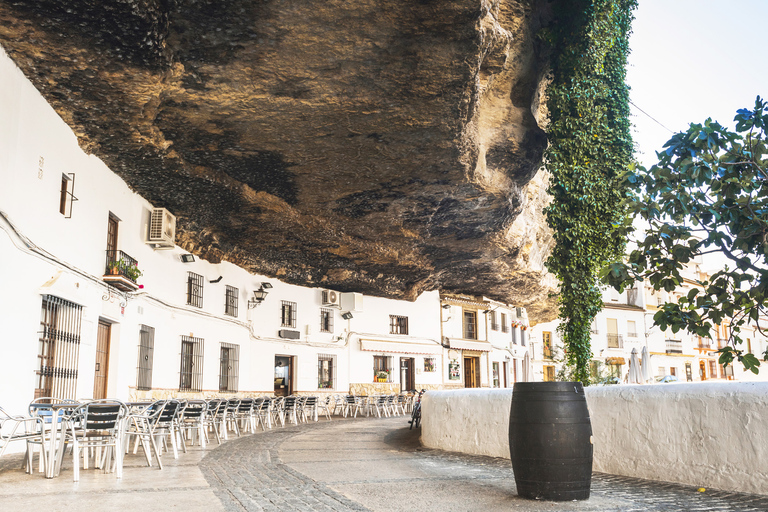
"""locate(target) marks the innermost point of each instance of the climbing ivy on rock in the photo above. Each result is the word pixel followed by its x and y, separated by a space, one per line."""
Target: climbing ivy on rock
pixel 590 147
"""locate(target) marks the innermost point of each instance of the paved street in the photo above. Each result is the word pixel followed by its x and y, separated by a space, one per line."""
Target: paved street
pixel 341 465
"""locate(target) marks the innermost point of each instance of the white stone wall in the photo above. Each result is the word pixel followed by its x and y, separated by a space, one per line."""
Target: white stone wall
pixel 703 434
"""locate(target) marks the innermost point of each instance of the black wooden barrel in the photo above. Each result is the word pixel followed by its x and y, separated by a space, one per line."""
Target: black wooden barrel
pixel 550 441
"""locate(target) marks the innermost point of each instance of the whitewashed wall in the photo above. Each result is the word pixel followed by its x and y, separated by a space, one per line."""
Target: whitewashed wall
pixel 703 434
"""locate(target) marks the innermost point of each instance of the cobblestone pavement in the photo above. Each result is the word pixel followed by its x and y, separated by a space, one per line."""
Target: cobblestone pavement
pixel 379 465
pixel 341 465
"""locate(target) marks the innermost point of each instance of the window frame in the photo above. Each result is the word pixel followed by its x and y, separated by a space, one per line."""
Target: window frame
pixel 231 301
pixel 288 314
pixel 146 358
pixel 469 333
pixel 326 363
pixel 398 324
pixel 195 285
pixel 326 320
pixel 67 194
pixel 493 320
pixel 546 344
pixel 191 364
pixel 229 375
pixel 504 323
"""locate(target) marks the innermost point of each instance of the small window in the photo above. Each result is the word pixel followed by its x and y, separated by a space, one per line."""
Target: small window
pixel 547 344
pixel 496 381
pixel 67 198
pixel 470 325
pixel 398 324
pixel 494 321
pixel 504 325
pixel 230 301
pixel 229 365
pixel 522 337
pixel 631 329
pixel 288 314
pixel 429 364
pixel 549 374
pixel 191 372
pixel 146 355
pixel 382 369
pixel 326 372
pixel 326 320
pixel 194 289
pixel 514 335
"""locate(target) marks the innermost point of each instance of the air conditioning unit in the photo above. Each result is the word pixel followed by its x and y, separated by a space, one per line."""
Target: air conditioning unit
pixel 331 298
pixel 289 334
pixel 162 229
pixel 352 301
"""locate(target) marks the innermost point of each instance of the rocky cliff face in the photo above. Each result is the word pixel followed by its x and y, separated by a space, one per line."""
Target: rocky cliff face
pixel 381 146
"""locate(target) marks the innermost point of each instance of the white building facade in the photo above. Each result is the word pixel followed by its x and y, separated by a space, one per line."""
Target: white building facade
pixel 97 301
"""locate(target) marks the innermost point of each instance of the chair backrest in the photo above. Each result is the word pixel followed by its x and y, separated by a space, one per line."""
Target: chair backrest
pixel 195 409
pixel 350 399
pixel 289 402
pixel 103 415
pixel 232 404
pixel 245 405
pixel 310 401
pixel 166 412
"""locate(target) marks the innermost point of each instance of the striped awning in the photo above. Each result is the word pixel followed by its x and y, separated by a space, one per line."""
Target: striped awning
pixel 479 346
pixel 400 347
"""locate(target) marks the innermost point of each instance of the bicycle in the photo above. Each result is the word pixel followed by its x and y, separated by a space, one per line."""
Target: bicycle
pixel 416 413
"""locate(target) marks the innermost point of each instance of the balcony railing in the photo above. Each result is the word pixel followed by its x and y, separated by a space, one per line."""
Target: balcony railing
pixel 121 271
pixel 674 347
pixel 615 340
pixel 705 344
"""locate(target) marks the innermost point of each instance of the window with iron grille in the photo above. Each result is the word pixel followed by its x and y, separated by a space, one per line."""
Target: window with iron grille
pixel 514 335
pixel 398 324
pixel 504 324
pixel 230 304
pixel 58 348
pixel 229 366
pixel 194 289
pixel 146 355
pixel 382 369
pixel 326 371
pixel 191 364
pixel 288 315
pixel 470 325
pixel 326 320
pixel 494 321
pixel 67 198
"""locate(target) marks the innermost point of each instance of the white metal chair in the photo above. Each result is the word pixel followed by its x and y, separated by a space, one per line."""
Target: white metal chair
pixel 100 425
pixel 29 429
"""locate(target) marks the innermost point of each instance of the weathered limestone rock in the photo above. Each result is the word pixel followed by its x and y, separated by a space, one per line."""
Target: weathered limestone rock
pixel 381 146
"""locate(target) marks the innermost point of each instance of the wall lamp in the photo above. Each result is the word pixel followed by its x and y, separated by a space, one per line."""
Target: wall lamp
pixel 346 316
pixel 258 297
pixel 187 258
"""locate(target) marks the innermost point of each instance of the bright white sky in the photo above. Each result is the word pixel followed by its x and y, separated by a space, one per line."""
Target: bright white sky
pixel 694 59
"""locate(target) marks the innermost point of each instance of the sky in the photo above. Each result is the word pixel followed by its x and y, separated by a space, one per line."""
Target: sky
pixel 690 60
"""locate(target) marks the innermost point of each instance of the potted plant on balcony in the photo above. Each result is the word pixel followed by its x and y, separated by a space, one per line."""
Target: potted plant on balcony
pixel 132 272
pixel 382 376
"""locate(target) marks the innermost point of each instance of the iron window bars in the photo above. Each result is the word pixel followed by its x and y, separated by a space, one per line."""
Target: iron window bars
pixel 326 320
pixel 326 373
pixel 191 372
pixel 398 324
pixel 194 289
pixel 230 304
pixel 59 348
pixel 288 314
pixel 146 356
pixel 229 366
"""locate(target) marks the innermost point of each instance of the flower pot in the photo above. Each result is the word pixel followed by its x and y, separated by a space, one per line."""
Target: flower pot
pixel 550 441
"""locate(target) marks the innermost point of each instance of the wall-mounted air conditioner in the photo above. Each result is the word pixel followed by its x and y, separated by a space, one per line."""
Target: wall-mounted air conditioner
pixel 352 301
pixel 331 298
pixel 162 229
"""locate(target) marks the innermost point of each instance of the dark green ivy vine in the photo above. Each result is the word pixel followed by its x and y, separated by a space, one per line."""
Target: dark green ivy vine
pixel 590 146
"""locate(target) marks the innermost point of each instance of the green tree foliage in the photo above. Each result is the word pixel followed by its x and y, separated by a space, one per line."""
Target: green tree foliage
pixel 707 194
pixel 590 148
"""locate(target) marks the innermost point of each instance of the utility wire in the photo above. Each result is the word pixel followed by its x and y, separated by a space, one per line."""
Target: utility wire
pixel 651 117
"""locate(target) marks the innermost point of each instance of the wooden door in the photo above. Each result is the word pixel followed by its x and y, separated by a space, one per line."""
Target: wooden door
pixel 102 360
pixel 283 375
pixel 471 372
pixel 407 381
